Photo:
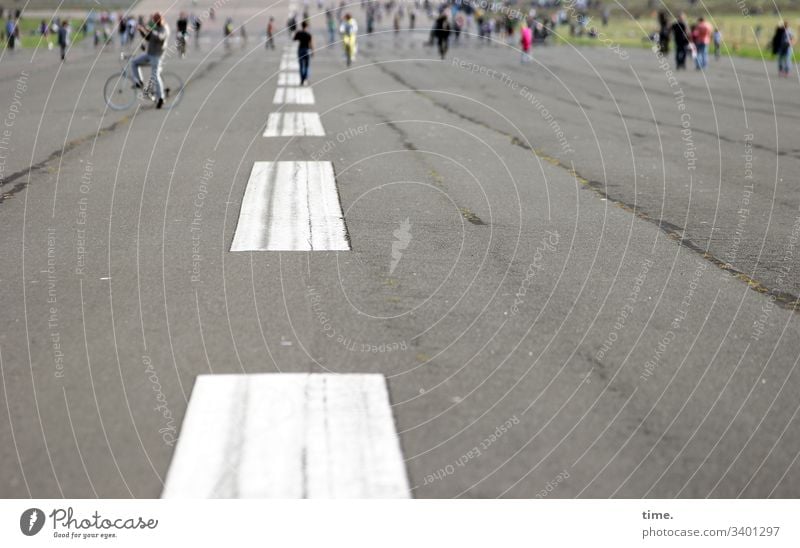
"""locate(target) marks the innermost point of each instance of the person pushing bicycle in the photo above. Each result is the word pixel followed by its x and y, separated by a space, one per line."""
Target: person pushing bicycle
pixel 156 36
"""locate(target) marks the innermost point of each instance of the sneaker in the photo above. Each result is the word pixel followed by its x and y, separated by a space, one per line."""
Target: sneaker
pixel 137 85
pixel 160 103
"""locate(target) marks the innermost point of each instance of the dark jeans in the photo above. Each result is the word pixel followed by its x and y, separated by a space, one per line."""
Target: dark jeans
pixel 443 43
pixel 680 56
pixel 304 58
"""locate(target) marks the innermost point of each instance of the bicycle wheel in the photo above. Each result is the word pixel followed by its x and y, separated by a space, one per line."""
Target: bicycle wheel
pixel 119 92
pixel 173 89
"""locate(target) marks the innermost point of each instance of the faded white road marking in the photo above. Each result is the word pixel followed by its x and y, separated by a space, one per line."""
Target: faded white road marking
pixel 294 124
pixel 293 96
pixel 288 435
pixel 291 206
pixel 290 64
pixel 288 79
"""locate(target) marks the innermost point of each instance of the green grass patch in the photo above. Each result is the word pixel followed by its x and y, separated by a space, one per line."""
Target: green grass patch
pixel 30 36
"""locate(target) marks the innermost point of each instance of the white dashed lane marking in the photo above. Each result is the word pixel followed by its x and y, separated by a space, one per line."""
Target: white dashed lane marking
pixel 289 64
pixel 293 96
pixel 294 124
pixel 288 435
pixel 288 79
pixel 291 206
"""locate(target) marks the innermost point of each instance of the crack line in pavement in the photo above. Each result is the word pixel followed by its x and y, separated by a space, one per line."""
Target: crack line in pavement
pixel 55 155
pixel 674 232
pixel 75 143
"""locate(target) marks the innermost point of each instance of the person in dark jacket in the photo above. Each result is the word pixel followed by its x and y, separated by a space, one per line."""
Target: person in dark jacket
pixel 441 33
pixel 680 33
pixel 63 38
pixel 782 44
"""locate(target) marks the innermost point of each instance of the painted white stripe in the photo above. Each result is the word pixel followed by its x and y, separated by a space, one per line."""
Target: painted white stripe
pixel 291 206
pixel 294 124
pixel 289 64
pixel 288 435
pixel 288 79
pixel 293 96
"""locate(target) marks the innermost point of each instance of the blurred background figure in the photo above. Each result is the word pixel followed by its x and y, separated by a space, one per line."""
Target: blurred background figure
pixel 441 34
pixel 182 31
pixel 525 42
pixel 782 43
pixel 270 44
pixel 64 32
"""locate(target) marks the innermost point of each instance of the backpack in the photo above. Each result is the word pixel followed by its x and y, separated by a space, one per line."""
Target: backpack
pixel 778 40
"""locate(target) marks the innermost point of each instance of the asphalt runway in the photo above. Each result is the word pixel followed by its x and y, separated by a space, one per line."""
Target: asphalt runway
pixel 577 274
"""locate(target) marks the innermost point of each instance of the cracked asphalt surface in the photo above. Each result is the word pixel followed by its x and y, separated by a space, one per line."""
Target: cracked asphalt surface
pixel 601 252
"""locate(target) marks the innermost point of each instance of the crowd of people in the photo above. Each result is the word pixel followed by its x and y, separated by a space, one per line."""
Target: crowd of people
pixel 522 25
pixel 690 40
pixel 695 40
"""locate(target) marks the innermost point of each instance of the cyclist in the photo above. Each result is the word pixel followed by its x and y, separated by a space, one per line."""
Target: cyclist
pixel 349 29
pixel 183 31
pixel 156 37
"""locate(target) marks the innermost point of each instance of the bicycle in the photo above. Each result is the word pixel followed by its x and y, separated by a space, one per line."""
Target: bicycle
pixel 120 93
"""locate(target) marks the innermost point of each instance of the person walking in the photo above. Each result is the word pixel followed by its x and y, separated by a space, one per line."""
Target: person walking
pixel 156 37
pixel 782 44
pixel 680 34
pixel 64 32
pixel 349 32
pixel 702 38
pixel 12 32
pixel 182 27
pixel 330 22
pixel 441 33
pixel 525 42
pixel 122 30
pixel 717 39
pixel 305 49
pixel 270 33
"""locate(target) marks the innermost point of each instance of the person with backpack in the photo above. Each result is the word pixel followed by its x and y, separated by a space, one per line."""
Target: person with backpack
pixel 782 44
